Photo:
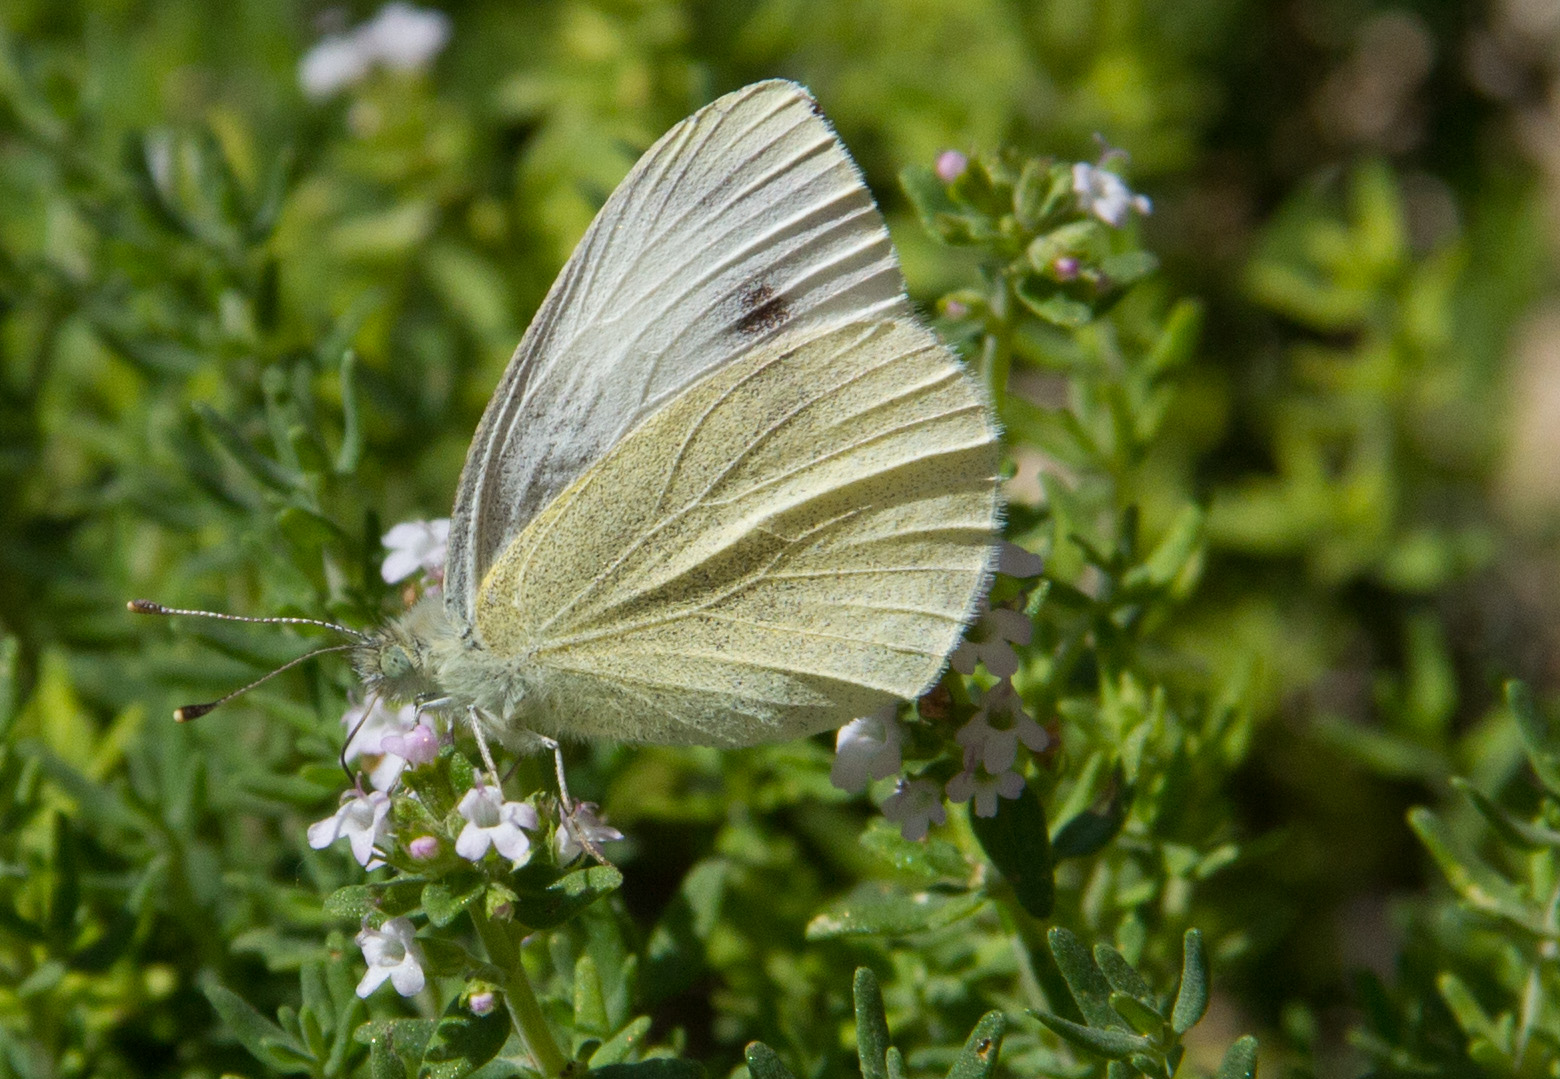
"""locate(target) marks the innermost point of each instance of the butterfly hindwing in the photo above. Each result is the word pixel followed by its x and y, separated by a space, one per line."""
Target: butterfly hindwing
pixel 792 541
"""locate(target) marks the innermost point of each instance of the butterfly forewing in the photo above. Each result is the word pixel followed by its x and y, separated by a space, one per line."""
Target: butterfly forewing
pixel 745 222
pixel 794 539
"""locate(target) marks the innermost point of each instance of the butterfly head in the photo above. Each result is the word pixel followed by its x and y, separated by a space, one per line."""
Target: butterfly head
pixel 397 661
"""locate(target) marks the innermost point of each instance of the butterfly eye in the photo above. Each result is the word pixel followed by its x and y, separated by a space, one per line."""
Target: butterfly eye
pixel 394 662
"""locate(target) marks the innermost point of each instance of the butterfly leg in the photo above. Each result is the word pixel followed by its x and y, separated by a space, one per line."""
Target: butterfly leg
pixel 482 746
pixel 568 804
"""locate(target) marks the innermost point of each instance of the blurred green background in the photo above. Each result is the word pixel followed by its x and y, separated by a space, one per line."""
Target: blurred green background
pixel 1362 194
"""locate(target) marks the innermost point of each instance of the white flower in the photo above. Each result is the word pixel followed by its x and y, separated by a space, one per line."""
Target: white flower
pixel 990 641
pixel 493 822
pixel 995 746
pixel 403 37
pixel 379 724
pixel 964 786
pixel 866 749
pixel 586 823
pixel 331 65
pixel 915 806
pixel 1106 196
pixel 416 545
pixel 1014 561
pixel 400 36
pixel 391 953
pixel 363 819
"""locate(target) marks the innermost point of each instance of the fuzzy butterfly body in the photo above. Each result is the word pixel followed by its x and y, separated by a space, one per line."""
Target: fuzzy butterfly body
pixel 729 489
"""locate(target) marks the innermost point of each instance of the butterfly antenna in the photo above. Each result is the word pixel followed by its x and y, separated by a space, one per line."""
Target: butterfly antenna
pixel 195 711
pixel 146 606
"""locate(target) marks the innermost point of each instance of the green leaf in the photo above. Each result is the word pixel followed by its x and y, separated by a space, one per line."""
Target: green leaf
pixel 389 899
pixel 1089 831
pixel 590 1006
pixel 1018 842
pixel 1044 299
pixel 654 1068
pixel 1119 973
pixel 264 470
pixel 764 1063
pixel 1191 1000
pixel 1178 340
pixel 1109 1043
pixel 1179 545
pixel 1137 1015
pixel 622 1044
pixel 1084 979
pixel 266 1042
pixel 871 1026
pixel 351 451
pixel 1481 887
pixel 1240 1061
pixel 1129 267
pixel 566 897
pixel 1511 828
pixel 463 1042
pixel 930 859
pixel 978 1058
pixel 875 909
pixel 443 905
pixel 1540 738
pixel 9 696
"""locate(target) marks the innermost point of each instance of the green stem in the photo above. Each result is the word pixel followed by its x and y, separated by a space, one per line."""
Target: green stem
pixel 524 1011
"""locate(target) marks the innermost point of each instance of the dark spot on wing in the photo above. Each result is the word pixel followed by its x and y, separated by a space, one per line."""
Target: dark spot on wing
pixel 763 309
pixel 812 103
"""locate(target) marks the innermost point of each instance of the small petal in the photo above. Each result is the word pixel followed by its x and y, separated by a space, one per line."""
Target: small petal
pixel 331 65
pixel 402 36
pixel 866 749
pixel 951 165
pixel 585 823
pixel 915 806
pixel 1015 561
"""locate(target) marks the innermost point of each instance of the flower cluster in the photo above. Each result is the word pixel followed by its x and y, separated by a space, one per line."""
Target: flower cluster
pixel 401 37
pixel 1106 195
pixel 984 749
pixel 426 810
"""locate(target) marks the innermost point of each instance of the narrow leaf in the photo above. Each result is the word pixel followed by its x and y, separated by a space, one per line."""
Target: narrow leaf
pixel 1119 973
pixel 1240 1061
pixel 1191 1001
pixel 266 1041
pixel 764 1063
pixel 871 1026
pixel 979 1056
pixel 1540 738
pixel 622 1044
pixel 1085 980
pixel 1112 1044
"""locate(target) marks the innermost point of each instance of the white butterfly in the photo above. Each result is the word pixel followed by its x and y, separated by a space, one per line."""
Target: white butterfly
pixel 730 489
